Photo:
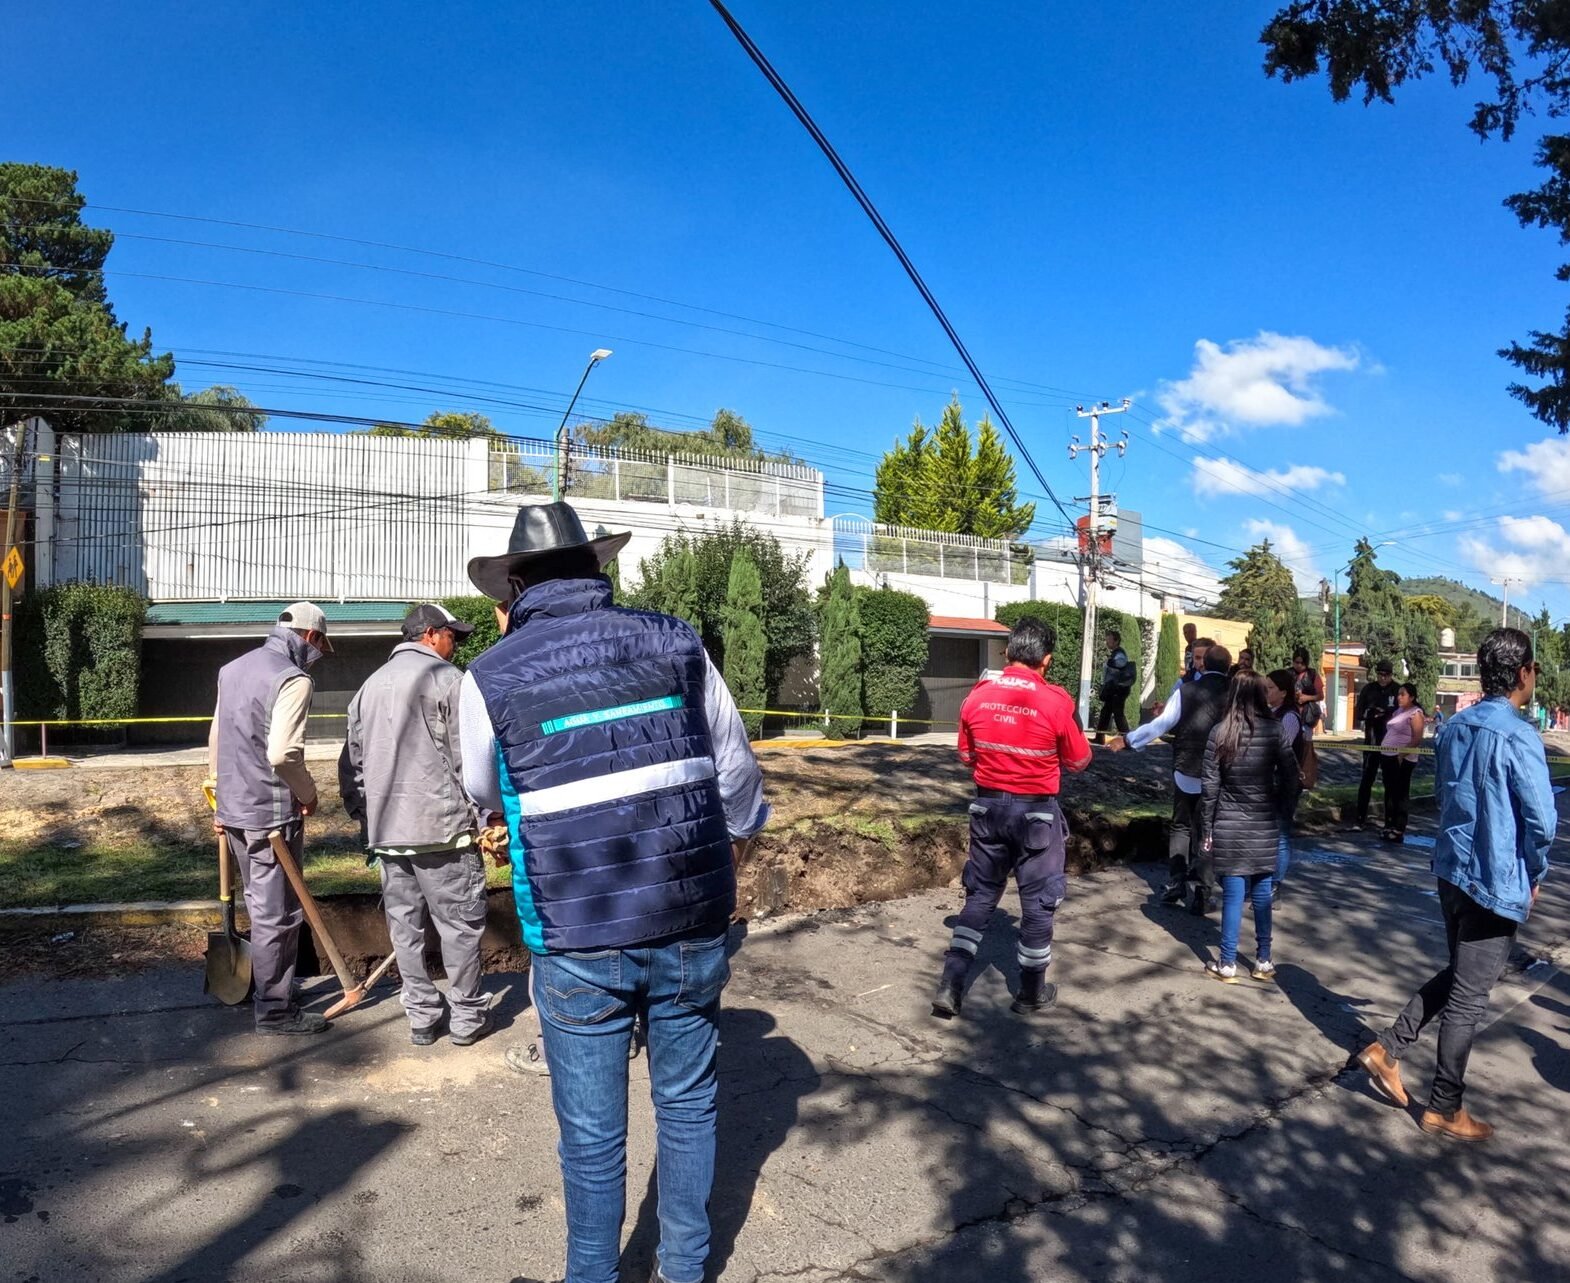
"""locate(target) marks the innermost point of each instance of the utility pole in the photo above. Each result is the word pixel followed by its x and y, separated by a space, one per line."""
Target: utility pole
pixel 1090 559
pixel 1504 606
pixel 7 683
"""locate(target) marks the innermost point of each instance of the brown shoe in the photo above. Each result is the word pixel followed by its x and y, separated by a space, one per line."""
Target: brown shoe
pixel 1457 1126
pixel 1384 1073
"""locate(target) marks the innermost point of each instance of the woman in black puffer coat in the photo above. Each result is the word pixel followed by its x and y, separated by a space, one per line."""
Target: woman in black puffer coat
pixel 1250 790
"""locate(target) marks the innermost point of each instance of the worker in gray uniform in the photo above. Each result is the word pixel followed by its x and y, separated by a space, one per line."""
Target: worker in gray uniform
pixel 256 753
pixel 399 774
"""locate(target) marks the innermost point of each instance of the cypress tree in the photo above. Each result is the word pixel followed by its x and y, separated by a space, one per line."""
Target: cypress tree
pixel 744 644
pixel 679 587
pixel 1169 655
pixel 840 677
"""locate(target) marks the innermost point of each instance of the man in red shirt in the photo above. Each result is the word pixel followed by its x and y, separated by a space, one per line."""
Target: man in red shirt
pixel 1017 732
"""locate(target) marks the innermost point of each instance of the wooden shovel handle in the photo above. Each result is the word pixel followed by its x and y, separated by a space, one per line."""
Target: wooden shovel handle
pixel 313 915
pixel 225 885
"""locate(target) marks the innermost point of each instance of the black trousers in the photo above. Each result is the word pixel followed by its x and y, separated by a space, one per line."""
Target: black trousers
pixel 1365 786
pixel 1398 790
pixel 1112 703
pixel 1027 839
pixel 1186 862
pixel 1479 948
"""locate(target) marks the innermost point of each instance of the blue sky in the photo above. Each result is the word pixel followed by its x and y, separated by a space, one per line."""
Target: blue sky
pixel 1109 200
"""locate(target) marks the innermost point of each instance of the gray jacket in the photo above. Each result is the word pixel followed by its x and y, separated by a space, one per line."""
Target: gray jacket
pixel 400 771
pixel 260 766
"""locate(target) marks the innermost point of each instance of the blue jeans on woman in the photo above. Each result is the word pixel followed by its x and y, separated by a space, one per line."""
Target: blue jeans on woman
pixel 1257 887
pixel 587 1002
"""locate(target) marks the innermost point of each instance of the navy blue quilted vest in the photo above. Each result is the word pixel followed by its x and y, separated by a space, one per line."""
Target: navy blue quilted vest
pixel 607 772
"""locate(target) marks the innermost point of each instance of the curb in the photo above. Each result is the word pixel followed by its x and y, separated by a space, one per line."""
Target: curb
pixel 138 913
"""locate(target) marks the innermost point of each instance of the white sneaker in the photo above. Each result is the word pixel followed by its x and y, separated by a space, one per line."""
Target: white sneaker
pixel 1226 973
pixel 1264 972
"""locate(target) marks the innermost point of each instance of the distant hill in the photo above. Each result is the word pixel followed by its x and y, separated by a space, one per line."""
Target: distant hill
pixel 1458 594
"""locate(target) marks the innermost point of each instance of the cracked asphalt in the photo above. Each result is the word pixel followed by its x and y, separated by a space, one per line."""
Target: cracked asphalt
pixel 1156 1125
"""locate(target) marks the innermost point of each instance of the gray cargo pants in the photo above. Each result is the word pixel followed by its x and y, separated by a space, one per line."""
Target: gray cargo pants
pixel 450 887
pixel 275 915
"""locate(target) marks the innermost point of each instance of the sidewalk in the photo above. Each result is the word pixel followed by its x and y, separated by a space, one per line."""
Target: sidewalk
pixel 1156 1126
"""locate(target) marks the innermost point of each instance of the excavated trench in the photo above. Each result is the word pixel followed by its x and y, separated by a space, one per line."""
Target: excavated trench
pixel 831 864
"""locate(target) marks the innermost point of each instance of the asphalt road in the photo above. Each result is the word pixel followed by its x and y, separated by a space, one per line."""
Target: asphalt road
pixel 1157 1126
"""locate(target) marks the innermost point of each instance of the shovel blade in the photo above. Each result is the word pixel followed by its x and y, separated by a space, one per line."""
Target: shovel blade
pixel 228 968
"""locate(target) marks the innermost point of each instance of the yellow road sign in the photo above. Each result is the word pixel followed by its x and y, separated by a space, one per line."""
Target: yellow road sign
pixel 12 567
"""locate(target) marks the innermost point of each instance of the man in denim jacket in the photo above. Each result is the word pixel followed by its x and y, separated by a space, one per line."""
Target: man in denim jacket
pixel 1496 823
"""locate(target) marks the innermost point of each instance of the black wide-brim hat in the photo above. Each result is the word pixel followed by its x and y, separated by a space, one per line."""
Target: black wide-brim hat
pixel 539 530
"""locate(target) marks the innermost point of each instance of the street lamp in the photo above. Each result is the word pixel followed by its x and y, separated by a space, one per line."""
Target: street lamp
pixel 1335 672
pixel 595 357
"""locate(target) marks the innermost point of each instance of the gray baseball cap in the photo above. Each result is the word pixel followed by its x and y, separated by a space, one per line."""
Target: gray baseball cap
pixel 306 617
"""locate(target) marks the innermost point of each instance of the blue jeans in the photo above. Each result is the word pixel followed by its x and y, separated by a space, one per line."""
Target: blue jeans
pixel 1258 888
pixel 1283 856
pixel 587 1002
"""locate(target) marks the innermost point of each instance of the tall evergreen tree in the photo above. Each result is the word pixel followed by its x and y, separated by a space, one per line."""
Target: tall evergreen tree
pixel 948 476
pixel 1259 583
pixel 1169 655
pixel 1376 612
pixel 997 511
pixel 936 480
pixel 678 587
pixel 744 643
pixel 59 335
pixel 897 483
pixel 839 646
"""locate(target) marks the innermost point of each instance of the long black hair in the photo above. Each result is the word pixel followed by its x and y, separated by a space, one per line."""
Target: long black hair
pixel 1247 709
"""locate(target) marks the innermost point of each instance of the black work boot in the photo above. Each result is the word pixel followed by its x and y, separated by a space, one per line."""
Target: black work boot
pixel 950 996
pixel 1035 994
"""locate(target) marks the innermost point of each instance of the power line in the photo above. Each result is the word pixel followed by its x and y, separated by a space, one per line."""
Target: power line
pixel 849 179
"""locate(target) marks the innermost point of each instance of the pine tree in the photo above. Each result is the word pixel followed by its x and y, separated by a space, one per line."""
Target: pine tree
pixel 996 510
pixel 897 481
pixel 948 476
pixel 1259 584
pixel 840 675
pixel 1376 613
pixel 744 643
pixel 934 480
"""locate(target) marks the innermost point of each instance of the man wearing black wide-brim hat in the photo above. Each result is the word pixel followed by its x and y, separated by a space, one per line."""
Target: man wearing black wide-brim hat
pixel 609 741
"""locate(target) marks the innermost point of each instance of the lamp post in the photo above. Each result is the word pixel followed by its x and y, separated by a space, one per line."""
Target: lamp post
pixel 595 357
pixel 1335 704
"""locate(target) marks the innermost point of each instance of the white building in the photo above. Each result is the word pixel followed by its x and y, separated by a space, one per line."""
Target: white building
pixel 219 530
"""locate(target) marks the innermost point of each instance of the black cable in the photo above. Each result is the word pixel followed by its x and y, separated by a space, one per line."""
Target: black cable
pixel 849 179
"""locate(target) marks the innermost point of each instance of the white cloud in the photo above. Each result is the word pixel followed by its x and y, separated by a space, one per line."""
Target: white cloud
pixel 1172 567
pixel 1264 381
pixel 1546 464
pixel 1225 476
pixel 1451 514
pixel 1294 553
pixel 1450 478
pixel 1534 549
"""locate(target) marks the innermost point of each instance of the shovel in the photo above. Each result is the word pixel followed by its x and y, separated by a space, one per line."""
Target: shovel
pixel 353 994
pixel 228 956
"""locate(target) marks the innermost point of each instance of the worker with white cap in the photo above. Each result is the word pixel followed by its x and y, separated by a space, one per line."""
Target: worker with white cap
pixel 256 753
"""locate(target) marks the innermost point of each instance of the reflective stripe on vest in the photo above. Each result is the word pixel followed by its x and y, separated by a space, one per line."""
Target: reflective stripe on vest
pixel 616 786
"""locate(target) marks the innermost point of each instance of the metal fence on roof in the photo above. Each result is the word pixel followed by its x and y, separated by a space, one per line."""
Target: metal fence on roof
pixel 759 486
pixel 865 545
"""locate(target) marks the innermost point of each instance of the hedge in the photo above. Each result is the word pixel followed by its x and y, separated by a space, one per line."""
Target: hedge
pixel 79 652
pixel 1069 623
pixel 894 644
